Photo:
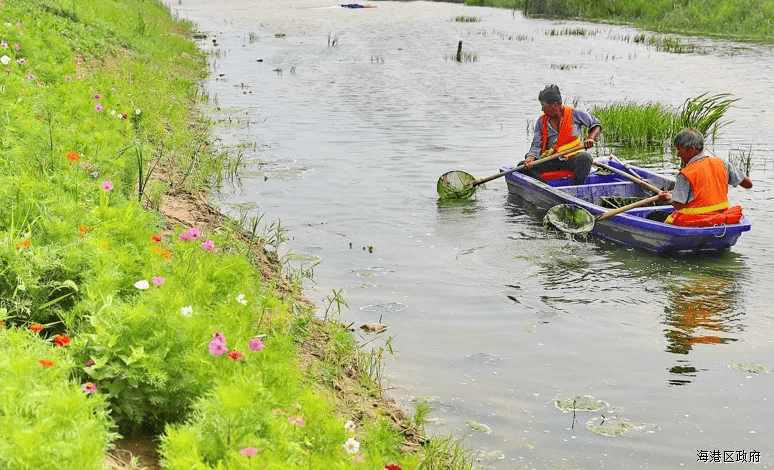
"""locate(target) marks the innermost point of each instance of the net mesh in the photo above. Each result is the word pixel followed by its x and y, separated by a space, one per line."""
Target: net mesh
pixel 569 218
pixel 456 184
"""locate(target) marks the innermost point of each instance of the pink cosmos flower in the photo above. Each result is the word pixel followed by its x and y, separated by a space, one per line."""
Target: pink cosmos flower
pixel 218 348
pixel 209 245
pixel 98 108
pixel 16 47
pixel 4 44
pixel 248 451
pixel 91 362
pixel 158 280
pixel 255 344
pixel 191 234
pixel 194 232
pixel 297 420
pixel 218 336
pixel 89 387
pixel 107 185
pixel 278 411
pixel 97 96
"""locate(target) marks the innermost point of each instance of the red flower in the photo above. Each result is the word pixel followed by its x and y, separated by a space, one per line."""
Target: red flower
pixel 61 340
pixel 73 156
pixel 392 466
pixel 235 355
pixel 155 238
pixel 36 327
pixel 46 363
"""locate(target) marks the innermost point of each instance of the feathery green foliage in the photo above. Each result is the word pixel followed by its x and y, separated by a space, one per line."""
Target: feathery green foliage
pixel 98 99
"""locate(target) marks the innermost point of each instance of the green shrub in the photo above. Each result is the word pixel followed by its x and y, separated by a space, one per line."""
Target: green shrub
pixel 46 421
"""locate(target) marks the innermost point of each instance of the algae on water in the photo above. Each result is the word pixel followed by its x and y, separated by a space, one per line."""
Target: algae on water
pixel 749 368
pixel 482 428
pixel 578 403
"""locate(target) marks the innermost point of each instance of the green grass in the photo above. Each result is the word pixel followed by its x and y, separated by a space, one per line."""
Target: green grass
pixel 744 20
pixel 100 123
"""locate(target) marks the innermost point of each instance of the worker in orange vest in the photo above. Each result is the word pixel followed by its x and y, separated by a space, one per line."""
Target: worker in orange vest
pixel 557 129
pixel 700 195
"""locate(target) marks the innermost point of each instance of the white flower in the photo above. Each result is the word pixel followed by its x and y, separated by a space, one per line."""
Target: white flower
pixel 112 112
pixel 186 311
pixel 5 59
pixel 349 426
pixel 352 446
pixel 142 284
pixel 137 112
pixel 241 299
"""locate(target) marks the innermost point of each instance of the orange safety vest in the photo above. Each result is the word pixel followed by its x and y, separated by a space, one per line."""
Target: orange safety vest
pixel 565 140
pixel 709 181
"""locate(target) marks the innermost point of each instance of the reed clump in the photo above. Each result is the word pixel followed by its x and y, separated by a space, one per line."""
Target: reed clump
pixel 653 125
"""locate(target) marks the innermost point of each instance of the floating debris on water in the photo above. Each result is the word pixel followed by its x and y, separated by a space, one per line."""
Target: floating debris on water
pixel 485 358
pixel 584 403
pixel 388 307
pixel 374 328
pixel 618 427
pixel 485 458
pixel 482 428
pixel 611 428
pixel 371 271
pixel 749 368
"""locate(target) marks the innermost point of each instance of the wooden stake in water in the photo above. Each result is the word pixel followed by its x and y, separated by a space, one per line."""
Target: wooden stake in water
pixel 459 52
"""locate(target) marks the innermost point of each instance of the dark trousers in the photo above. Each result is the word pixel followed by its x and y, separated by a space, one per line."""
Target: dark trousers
pixel 579 164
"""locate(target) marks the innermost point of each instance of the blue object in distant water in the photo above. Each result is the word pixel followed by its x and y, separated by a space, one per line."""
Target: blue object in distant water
pixel 357 5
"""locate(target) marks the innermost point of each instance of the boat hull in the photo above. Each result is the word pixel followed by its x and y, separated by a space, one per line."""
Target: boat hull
pixel 630 228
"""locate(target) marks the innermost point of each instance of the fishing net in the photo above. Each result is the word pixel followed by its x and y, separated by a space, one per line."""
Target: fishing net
pixel 569 218
pixel 456 184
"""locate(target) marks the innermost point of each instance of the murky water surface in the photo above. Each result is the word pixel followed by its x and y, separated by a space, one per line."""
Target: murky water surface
pixel 503 326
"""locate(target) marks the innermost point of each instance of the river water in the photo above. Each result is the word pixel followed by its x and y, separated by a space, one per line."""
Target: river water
pixel 492 318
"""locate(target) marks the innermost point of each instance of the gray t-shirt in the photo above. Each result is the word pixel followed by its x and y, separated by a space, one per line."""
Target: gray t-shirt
pixel 579 119
pixel 683 192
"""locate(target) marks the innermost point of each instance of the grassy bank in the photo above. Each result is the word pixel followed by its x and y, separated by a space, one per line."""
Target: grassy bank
pixel 742 20
pixel 131 309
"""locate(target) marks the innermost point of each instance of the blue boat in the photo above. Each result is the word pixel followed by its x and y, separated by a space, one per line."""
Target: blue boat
pixel 629 228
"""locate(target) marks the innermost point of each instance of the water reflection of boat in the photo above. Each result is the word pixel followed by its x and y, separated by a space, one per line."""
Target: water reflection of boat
pixel 630 228
pixel 701 311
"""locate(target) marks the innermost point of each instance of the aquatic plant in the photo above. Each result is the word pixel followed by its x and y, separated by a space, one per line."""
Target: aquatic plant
pixel 466 19
pixel 742 159
pixel 654 125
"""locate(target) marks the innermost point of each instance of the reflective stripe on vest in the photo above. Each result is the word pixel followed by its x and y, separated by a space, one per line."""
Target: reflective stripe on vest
pixel 565 140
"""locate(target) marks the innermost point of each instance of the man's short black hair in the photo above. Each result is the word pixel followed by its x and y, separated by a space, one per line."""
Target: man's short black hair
pixel 550 95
